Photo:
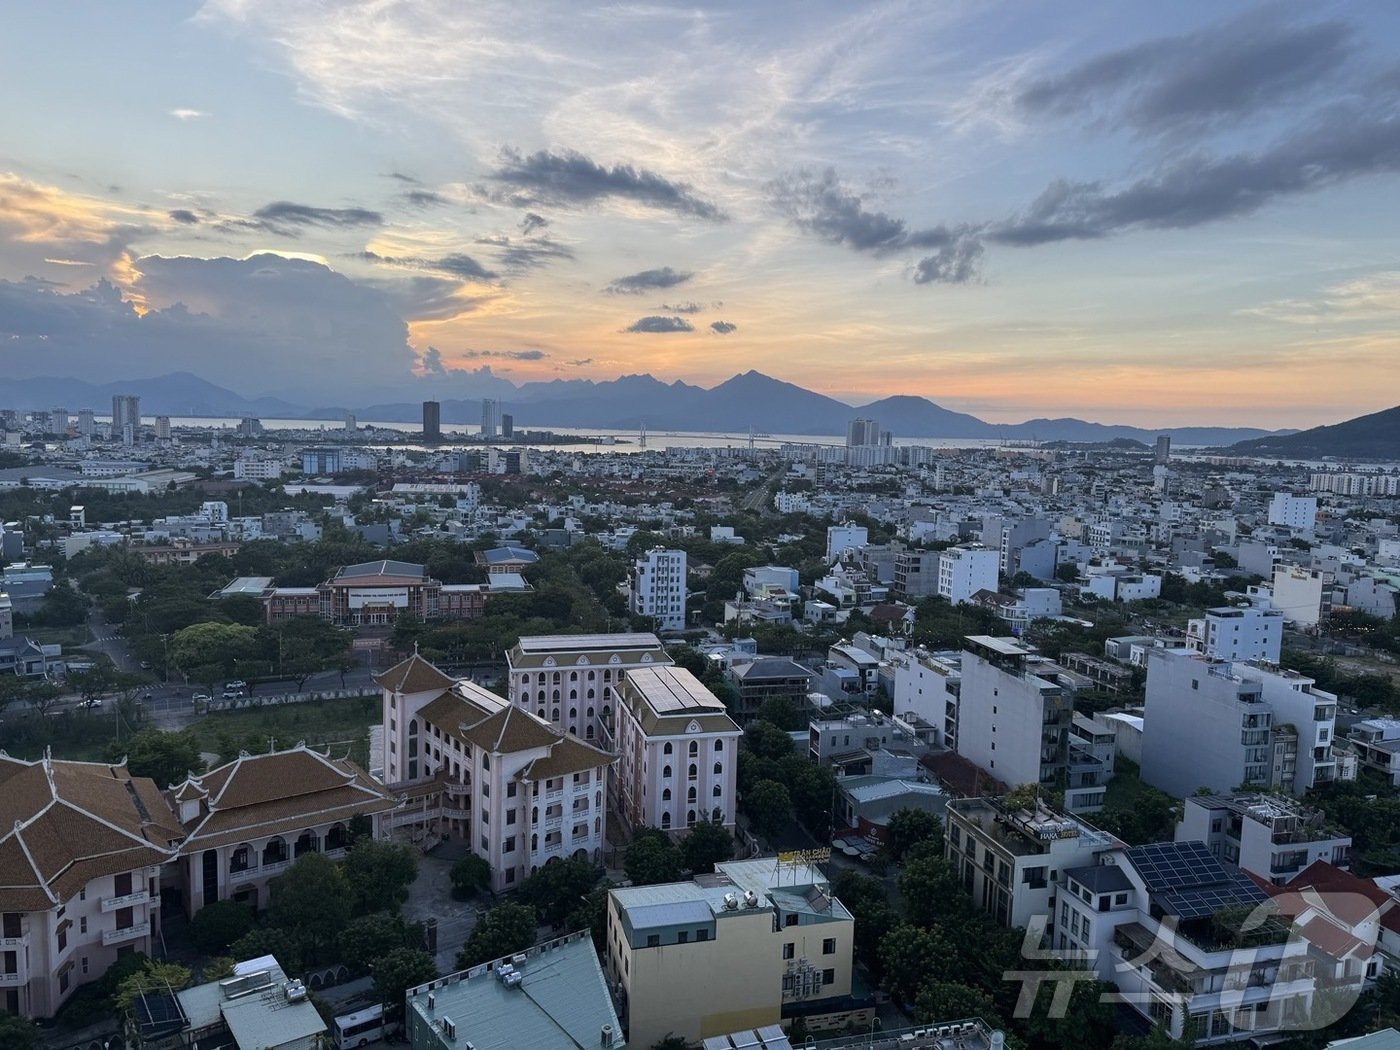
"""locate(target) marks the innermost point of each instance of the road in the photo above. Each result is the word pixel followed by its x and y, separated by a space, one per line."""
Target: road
pixel 107 641
pixel 761 496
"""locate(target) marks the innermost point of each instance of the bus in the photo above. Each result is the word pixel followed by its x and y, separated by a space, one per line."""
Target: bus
pixel 360 1028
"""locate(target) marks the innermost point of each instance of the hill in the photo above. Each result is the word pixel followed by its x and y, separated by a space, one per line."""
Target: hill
pixel 1376 436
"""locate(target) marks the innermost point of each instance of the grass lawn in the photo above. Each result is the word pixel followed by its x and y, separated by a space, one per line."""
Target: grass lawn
pixel 68 637
pixel 344 722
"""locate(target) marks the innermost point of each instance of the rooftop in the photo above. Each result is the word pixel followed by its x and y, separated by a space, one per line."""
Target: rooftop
pixel 548 643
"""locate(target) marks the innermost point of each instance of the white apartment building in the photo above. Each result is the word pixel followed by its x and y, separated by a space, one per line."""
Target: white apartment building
pixel 1009 859
pixel 513 786
pixel 677 748
pixel 1222 725
pixel 1014 713
pixel 656 588
pixel 842 538
pixel 1376 743
pixel 258 468
pixel 763 580
pixel 1293 512
pixel 1237 633
pixel 926 692
pixel 1268 835
pixel 571 679
pixel 963 571
pixel 80 866
pixel 734 950
pixel 1303 596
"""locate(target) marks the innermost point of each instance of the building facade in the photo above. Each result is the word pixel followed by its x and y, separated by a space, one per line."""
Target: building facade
pixel 656 588
pixel 963 571
pixel 1237 633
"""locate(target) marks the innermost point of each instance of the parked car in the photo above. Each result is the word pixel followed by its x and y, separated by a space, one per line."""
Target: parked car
pixel 200 698
pixel 96 701
pixel 236 684
pixel 232 694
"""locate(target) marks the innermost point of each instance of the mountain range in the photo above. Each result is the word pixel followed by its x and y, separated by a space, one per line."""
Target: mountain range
pixel 751 400
pixel 1375 436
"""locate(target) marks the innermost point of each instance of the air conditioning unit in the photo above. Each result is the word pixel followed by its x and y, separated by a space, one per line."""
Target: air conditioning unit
pixel 448 1027
pixel 295 991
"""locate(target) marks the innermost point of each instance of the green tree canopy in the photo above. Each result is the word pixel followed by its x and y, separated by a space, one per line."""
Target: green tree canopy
pixel 286 946
pixel 367 938
pixel 167 758
pixel 313 899
pixel 769 807
pixel 556 889
pixel 216 926
pixel 651 857
pixel 222 644
pixel 506 929
pixel 380 874
pixel 469 875
pixel 705 846
pixel 399 970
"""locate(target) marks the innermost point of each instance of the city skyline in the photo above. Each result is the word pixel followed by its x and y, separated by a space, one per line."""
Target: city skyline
pixel 1165 217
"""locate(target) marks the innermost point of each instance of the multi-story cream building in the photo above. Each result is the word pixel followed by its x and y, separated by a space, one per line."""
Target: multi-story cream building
pixel 571 679
pixel 656 588
pixel 247 821
pixel 515 787
pixel 754 942
pixel 80 872
pixel 678 749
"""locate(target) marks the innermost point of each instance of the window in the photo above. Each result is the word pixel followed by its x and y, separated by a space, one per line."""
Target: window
pixel 85 965
pixel 790 920
pixel 719 769
pixel 683 937
pixel 788 950
pixel 829 946
pixel 694 747
pixel 702 935
pixel 828 977
pixel 665 772
pixel 665 794
pixel 510 789
pixel 653 940
pixel 510 816
pixel 717 792
pixel 82 924
pixel 510 874
pixel 719 745
pixel 509 846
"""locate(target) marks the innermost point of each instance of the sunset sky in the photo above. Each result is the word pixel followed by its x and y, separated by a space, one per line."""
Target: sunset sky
pixel 1157 214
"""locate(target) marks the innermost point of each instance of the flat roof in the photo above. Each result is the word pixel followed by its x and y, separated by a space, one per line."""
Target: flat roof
pixel 1005 646
pixel 544 643
pixel 673 689
pixel 254 585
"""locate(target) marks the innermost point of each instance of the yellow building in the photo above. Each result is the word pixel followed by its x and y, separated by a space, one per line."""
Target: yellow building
pixel 753 943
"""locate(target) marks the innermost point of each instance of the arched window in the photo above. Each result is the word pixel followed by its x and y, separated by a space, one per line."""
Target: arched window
pixel 667 748
pixel 413 727
pixel 694 771
pixel 590 712
pixel 690 819
pixel 556 694
pixel 525 697
pixel 556 714
pixel 573 694
pixel 573 676
pixel 485 760
pixel 590 694
pixel 589 734
pixel 665 794
pixel 534 814
pixel 691 796
pixel 719 768
pixel 717 816
pixel 534 843
pixel 607 712
pixel 665 821
pixel 718 791
pixel 719 745
pixel 573 712
pixel 665 772
pixel 556 678
pixel 694 748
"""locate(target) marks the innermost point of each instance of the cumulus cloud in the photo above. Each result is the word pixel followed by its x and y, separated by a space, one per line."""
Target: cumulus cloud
pixel 722 327
pixel 39 222
pixel 657 325
pixel 1215 75
pixel 262 325
pixel 568 177
pixel 289 219
pixel 647 281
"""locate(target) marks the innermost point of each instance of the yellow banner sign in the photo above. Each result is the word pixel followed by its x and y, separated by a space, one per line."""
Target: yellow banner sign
pixel 805 856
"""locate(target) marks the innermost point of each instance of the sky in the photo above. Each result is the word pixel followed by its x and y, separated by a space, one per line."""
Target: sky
pixel 1160 214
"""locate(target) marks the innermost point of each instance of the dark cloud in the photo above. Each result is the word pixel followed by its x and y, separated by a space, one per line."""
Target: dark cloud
pixel 956 263
pixel 509 355
pixel 824 206
pixel 401 177
pixel 571 178
pixel 1350 140
pixel 647 281
pixel 456 264
pixel 681 308
pixel 288 218
pixel 532 222
pixel 656 324
pixel 526 254
pixel 722 327
pixel 185 216
pixel 431 362
pixel 425 199
pixel 1214 75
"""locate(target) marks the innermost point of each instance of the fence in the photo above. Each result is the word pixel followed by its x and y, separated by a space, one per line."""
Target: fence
pixel 242 702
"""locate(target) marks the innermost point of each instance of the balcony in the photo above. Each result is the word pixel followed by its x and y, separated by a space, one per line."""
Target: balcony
pixel 275 866
pixel 13 980
pixel 127 933
pixel 553 823
pixel 128 901
pixel 557 795
pixel 12 942
pixel 456 790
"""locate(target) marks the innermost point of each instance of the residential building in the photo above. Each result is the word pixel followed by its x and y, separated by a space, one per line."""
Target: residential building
pixel 860 432
pixel 552 996
pixel 765 677
pixel 842 538
pixel 1376 742
pixel 162 428
pixel 927 688
pixel 1303 596
pixel 490 418
pixel 320 461
pixel 763 940
pixel 258 1008
pixel 916 574
pixel 1009 857
pixel 517 789
pixel 1163 452
pixel 432 421
pixel 678 751
pixel 1293 512
pixel 963 571
pixel 126 413
pixel 656 588
pixel 1092 753
pixel 1014 711
pixel 1237 633
pixel 1019 609
pixel 865 803
pixel 764 580
pixel 1270 836
pixel 850 744
pixel 571 679
pixel 1225 725
pixel 243 823
pixel 80 873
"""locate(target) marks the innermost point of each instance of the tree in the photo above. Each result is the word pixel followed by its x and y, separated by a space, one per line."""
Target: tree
pixel 167 758
pixel 399 970
pixel 203 644
pixel 380 874
pixel 670 1042
pixel 765 740
pixel 591 914
pixel 469 876
pixel 908 827
pixel 367 938
pixel 769 807
pixel 216 926
pixel 286 946
pixel 313 899
pixel 930 890
pixel 707 844
pixel 506 929
pixel 555 890
pixel 160 978
pixel 17 1033
pixel 946 1001
pixel 651 857
pixel 910 956
pixel 219 969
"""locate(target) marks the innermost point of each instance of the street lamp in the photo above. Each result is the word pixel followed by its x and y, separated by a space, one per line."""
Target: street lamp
pixel 874 1024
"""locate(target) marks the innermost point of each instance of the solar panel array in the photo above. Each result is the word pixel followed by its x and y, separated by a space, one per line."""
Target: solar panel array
pixel 1187 880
